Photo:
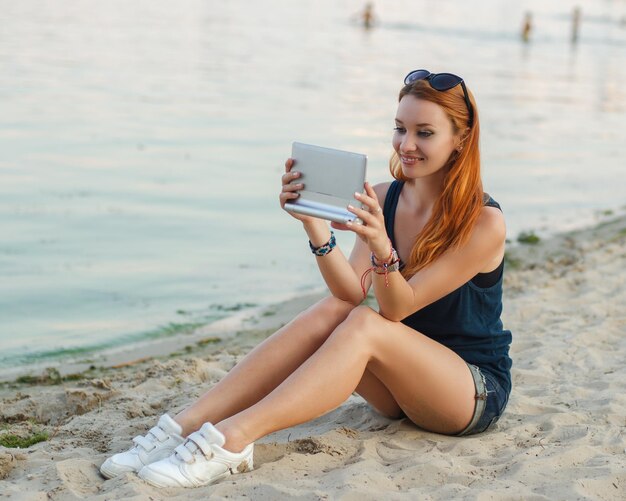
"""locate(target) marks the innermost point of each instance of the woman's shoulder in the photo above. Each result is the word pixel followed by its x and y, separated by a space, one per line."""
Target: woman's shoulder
pixel 491 223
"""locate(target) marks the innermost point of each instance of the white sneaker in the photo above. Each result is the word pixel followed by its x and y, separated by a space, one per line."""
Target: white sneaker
pixel 199 461
pixel 157 444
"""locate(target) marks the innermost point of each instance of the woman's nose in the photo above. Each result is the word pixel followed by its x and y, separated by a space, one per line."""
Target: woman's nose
pixel 408 143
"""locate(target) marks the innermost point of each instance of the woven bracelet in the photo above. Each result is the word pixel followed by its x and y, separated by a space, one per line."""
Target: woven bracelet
pixel 322 250
pixel 393 263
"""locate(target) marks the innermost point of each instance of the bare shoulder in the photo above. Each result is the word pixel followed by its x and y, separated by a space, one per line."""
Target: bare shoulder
pixel 381 191
pixel 490 225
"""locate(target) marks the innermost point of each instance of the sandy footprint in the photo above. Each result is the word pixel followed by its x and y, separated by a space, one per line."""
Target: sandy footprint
pixel 79 476
pixel 339 444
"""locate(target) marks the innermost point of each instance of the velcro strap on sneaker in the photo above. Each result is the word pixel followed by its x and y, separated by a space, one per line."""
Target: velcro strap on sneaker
pixel 198 439
pixel 159 434
pixel 184 453
pixel 144 443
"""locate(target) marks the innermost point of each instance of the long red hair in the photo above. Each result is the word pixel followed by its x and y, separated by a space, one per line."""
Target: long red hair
pixel 457 209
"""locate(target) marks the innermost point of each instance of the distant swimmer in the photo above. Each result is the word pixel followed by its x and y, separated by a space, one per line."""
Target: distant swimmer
pixel 527 27
pixel 575 24
pixel 367 16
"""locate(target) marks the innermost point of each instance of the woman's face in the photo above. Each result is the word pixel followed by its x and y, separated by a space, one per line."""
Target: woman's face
pixel 424 137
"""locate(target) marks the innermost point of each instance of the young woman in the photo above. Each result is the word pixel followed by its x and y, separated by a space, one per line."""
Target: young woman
pixel 432 248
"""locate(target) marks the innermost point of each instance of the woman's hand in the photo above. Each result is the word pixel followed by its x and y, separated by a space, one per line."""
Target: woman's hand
pixel 290 190
pixel 372 231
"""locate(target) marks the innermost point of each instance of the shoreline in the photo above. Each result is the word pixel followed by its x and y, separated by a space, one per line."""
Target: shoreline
pixel 563 435
pixel 219 331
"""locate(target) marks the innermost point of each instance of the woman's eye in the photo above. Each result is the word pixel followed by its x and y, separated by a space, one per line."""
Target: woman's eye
pixel 399 129
pixel 424 133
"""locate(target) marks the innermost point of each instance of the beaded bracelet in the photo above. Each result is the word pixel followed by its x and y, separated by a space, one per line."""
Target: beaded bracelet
pixel 386 268
pixel 381 268
pixel 392 264
pixel 322 250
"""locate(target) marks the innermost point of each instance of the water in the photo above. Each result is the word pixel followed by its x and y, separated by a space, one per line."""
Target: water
pixel 142 144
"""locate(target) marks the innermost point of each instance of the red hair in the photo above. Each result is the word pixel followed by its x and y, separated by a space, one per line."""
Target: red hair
pixel 457 209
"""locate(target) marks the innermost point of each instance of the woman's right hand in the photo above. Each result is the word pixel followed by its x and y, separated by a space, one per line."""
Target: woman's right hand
pixel 290 190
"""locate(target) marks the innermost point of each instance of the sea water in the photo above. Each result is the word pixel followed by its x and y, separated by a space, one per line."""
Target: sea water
pixel 142 143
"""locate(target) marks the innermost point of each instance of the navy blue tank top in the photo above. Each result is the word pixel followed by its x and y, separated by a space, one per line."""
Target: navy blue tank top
pixel 468 319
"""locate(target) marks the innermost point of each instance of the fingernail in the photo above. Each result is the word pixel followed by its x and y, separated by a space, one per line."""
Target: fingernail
pixel 357 194
pixel 350 206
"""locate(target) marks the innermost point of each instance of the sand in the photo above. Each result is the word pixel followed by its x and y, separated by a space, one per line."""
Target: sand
pixel 562 436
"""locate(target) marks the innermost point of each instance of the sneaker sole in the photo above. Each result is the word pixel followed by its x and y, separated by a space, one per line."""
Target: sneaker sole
pixel 155 480
pixel 112 473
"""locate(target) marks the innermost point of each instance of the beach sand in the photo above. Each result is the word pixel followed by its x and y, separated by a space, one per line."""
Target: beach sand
pixel 562 436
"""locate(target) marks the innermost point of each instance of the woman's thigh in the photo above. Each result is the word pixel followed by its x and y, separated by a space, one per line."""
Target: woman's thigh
pixel 429 382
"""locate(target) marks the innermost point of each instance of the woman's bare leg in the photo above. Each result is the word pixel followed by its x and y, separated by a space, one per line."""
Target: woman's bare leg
pixel 378 395
pixel 268 365
pixel 431 384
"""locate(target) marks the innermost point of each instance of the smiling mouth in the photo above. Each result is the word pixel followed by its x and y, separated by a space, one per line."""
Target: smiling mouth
pixel 411 160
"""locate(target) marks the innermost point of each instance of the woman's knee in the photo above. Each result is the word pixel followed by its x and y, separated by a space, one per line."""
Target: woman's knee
pixel 363 317
pixel 320 319
pixel 329 311
pixel 360 325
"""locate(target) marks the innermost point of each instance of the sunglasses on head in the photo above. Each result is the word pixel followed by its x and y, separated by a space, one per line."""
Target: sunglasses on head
pixel 442 82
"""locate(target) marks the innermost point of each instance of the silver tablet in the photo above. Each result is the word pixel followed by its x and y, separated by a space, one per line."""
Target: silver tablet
pixel 330 178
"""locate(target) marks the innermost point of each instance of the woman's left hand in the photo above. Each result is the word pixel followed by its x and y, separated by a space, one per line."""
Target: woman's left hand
pixel 372 230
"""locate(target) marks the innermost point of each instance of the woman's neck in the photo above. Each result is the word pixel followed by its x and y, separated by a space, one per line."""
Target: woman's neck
pixel 422 194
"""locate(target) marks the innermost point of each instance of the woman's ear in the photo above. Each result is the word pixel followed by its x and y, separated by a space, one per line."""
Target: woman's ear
pixel 462 138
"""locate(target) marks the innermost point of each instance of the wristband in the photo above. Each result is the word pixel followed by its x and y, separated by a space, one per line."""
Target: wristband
pixel 322 250
pixel 393 263
pixel 381 268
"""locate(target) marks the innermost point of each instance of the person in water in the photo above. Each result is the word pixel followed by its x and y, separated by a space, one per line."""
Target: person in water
pixel 527 26
pixel 431 247
pixel 367 16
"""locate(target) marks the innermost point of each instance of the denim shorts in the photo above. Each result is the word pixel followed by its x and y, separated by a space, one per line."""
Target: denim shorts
pixel 491 400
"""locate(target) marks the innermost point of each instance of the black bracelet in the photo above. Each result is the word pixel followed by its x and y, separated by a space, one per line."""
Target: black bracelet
pixel 322 250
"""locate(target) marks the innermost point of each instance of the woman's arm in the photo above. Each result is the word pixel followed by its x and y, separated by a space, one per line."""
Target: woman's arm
pixel 338 273
pixel 353 286
pixel 399 298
